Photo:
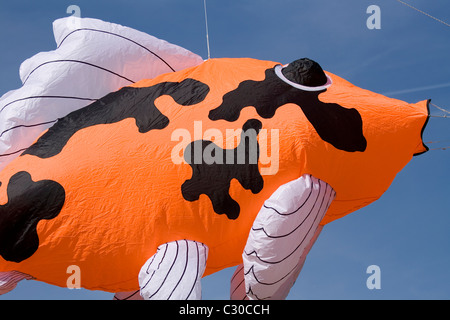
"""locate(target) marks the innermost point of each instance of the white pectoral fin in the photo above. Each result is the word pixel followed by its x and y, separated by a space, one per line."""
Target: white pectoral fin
pixel 282 234
pixel 174 271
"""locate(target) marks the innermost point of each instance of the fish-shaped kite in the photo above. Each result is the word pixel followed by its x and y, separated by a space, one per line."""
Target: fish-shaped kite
pixel 223 163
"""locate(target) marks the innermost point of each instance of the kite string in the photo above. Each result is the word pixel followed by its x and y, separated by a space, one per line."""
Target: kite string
pixel 207 32
pixel 442 109
pixel 444 116
pixel 428 15
pixel 444 148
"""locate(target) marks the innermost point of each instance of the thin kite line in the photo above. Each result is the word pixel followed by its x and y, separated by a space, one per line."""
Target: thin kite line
pixel 207 32
pixel 427 14
pixel 442 109
pixel 444 148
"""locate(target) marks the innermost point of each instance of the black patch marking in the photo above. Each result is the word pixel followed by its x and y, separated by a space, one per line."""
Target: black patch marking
pixel 335 124
pixel 129 102
pixel 213 168
pixel 28 203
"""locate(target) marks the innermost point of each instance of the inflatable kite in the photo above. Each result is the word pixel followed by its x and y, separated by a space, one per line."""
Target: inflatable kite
pixel 226 162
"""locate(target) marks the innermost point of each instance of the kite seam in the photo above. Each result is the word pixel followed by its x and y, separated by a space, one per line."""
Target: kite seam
pixel 182 264
pixel 27 126
pixel 327 195
pixel 50 97
pixel 321 212
pixel 307 216
pixel 196 274
pixel 267 283
pixel 120 36
pixel 38 124
pixel 287 214
pixel 11 153
pixel 153 259
pixel 254 295
pixel 77 61
pixel 168 272
pixel 128 297
pixel 264 283
pixel 151 262
pixel 239 285
pixel 186 261
pixel 236 272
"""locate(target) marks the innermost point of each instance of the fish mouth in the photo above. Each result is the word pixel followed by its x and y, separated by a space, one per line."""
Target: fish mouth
pixel 424 146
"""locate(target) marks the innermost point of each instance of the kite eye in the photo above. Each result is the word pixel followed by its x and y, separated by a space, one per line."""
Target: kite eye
pixel 304 74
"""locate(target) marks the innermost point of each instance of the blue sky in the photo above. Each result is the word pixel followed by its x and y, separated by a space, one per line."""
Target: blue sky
pixel 406 232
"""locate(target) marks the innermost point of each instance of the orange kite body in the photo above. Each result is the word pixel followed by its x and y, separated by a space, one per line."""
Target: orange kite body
pixel 104 196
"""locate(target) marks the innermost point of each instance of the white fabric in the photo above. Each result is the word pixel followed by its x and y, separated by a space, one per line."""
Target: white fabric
pixel 92 59
pixel 174 271
pixel 9 280
pixel 282 233
pixel 237 288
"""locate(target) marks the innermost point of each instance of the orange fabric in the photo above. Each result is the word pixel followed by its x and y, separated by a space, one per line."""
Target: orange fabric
pixel 120 206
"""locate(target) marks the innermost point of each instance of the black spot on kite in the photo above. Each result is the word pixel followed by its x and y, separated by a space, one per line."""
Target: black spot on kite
pixel 213 168
pixel 28 203
pixel 339 126
pixel 128 102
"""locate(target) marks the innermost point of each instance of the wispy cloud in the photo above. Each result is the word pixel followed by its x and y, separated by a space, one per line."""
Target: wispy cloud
pixel 424 88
